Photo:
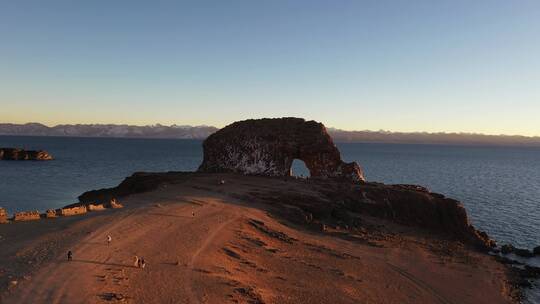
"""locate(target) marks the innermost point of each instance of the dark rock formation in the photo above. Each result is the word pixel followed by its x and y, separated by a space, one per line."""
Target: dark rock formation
pixel 526 253
pixel 269 146
pixel 137 183
pixel 20 154
pixel 523 277
pixel 531 272
pixel 508 248
pixel 404 204
pixel 536 250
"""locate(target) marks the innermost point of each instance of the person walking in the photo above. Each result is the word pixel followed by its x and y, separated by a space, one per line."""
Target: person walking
pixel 109 240
pixel 142 262
pixel 69 255
pixel 136 263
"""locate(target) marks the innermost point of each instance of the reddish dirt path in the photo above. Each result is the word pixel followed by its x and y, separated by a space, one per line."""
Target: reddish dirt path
pixel 230 253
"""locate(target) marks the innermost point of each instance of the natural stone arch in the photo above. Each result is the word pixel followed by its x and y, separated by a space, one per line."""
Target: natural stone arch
pixel 268 147
pixel 298 163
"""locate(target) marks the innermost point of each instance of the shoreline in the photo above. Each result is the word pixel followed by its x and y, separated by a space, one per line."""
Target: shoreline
pixel 368 234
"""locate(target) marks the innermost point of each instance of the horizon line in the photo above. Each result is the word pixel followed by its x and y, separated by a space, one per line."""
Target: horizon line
pixel 327 127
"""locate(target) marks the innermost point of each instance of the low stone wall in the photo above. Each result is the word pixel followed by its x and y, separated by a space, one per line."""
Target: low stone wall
pixel 52 213
pixel 98 207
pixel 73 211
pixel 3 216
pixel 26 216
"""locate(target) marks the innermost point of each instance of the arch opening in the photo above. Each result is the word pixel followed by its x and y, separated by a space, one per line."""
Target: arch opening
pixel 299 169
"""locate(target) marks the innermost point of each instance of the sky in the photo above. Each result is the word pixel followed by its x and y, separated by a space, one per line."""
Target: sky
pixel 451 66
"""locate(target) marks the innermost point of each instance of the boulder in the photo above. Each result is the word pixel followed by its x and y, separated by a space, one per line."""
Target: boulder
pixel 50 213
pixel 3 216
pixel 269 146
pixel 20 154
pixel 114 204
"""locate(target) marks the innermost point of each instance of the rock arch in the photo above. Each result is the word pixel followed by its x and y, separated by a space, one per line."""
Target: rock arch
pixel 299 168
pixel 269 146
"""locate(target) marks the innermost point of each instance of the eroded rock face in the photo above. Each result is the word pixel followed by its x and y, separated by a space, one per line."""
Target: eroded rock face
pixel 269 146
pixel 20 154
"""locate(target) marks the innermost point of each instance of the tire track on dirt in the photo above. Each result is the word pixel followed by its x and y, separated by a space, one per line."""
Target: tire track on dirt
pixel 421 284
pixel 209 239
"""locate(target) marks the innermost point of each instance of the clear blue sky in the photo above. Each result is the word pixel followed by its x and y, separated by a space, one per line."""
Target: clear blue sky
pixel 471 66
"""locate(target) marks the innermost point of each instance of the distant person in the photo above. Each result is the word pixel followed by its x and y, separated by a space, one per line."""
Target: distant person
pixel 109 240
pixel 136 263
pixel 142 263
pixel 70 255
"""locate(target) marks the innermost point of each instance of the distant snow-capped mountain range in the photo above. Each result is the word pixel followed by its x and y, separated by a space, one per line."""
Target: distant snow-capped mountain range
pixel 201 132
pixel 108 130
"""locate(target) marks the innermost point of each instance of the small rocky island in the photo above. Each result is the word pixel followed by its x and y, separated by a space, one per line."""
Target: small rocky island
pixel 21 154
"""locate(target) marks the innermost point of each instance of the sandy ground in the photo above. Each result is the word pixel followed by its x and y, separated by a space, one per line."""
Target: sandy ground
pixel 233 251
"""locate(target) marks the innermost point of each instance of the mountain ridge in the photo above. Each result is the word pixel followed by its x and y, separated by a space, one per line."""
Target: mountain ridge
pixel 202 131
pixel 108 130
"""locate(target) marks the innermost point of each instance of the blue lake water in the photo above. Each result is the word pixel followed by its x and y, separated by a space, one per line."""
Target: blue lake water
pixel 499 186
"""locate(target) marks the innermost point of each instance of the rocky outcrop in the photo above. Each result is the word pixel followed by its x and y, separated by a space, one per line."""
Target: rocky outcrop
pixel 114 204
pixel 536 250
pixel 137 183
pixel 343 204
pixel 508 248
pixel 269 146
pixel 26 216
pixel 417 206
pixel 20 154
pixel 334 202
pixel 3 216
